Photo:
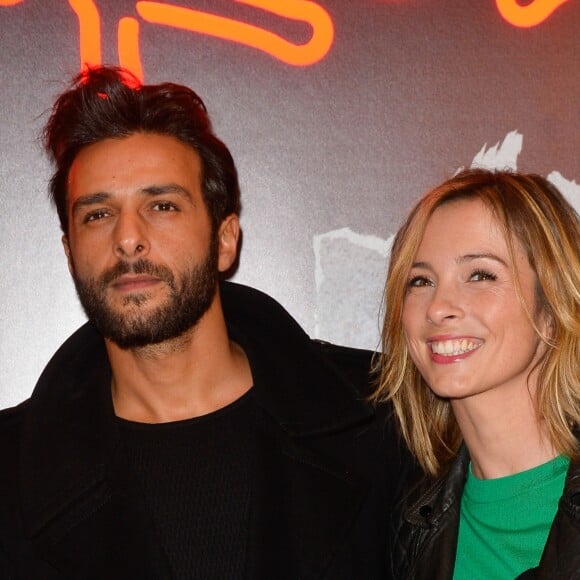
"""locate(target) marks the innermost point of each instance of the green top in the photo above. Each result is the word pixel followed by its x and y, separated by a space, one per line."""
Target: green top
pixel 504 522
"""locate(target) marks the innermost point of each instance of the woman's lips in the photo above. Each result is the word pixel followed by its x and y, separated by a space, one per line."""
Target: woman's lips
pixel 452 349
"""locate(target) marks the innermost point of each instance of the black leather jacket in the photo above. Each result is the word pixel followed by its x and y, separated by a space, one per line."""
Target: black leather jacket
pixel 427 526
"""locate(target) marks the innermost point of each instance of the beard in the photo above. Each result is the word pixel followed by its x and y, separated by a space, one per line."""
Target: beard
pixel 190 296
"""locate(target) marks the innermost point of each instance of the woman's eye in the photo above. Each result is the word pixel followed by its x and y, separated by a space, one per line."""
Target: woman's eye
pixel 419 281
pixel 481 276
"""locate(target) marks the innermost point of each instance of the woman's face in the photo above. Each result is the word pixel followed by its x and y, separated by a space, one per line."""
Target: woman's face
pixel 466 330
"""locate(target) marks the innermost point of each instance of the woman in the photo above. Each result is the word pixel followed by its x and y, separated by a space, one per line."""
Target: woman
pixel 480 359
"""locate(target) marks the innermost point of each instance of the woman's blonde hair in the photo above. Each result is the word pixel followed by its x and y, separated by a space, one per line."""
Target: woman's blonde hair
pixel 531 211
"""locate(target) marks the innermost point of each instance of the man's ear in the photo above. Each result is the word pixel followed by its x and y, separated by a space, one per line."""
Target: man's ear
pixel 66 246
pixel 228 238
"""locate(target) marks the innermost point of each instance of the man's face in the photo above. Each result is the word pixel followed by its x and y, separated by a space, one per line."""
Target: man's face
pixel 141 249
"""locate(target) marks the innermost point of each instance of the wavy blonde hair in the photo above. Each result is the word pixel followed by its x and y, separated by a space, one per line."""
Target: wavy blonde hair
pixel 531 211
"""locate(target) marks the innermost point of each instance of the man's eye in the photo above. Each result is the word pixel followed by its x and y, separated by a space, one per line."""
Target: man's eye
pixel 95 215
pixel 482 276
pixel 419 281
pixel 164 206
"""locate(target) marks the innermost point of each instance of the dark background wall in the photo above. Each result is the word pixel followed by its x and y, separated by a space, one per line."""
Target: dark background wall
pixel 331 155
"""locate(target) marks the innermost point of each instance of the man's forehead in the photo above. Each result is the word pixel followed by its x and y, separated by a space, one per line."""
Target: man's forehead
pixel 141 161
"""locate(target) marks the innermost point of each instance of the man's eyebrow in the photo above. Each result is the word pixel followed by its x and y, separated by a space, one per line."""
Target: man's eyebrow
pixel 155 190
pixel 90 199
pixel 150 190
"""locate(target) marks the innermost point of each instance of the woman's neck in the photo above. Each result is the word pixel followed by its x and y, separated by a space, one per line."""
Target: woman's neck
pixel 502 433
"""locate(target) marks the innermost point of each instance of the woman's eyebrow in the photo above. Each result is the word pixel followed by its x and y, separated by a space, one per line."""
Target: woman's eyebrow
pixel 481 255
pixel 463 259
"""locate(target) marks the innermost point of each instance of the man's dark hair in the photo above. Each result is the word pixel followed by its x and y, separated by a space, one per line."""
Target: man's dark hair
pixel 110 103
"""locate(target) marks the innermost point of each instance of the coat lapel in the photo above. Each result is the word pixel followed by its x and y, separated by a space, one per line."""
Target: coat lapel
pixel 79 508
pixel 304 509
pixel 307 493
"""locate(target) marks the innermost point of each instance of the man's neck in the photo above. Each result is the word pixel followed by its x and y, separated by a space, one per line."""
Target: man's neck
pixel 190 376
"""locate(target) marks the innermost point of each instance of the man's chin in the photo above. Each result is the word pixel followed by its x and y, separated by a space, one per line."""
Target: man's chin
pixel 143 329
pixel 126 303
pixel 134 307
pixel 135 340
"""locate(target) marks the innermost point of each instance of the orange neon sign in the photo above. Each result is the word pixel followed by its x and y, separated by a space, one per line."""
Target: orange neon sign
pixel 530 15
pixel 188 19
pixel 165 14
pixel 205 23
pixel 299 10
pixel 89 31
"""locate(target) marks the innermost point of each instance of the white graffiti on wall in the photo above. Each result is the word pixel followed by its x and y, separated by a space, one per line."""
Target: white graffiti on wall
pixel 350 268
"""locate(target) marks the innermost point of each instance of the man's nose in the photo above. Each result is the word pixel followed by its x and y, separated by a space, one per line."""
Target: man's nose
pixel 131 240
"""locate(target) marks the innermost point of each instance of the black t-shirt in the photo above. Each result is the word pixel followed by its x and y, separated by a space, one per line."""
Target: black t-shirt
pixel 197 478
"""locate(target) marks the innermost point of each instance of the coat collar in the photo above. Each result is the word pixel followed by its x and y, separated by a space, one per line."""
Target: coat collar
pixel 426 539
pixel 570 501
pixel 304 392
pixel 70 480
pixel 69 424
pixel 441 495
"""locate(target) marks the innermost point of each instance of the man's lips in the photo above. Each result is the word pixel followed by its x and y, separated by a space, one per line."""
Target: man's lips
pixel 134 282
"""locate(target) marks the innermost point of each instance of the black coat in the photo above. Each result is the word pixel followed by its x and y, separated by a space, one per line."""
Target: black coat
pixel 425 542
pixel 327 471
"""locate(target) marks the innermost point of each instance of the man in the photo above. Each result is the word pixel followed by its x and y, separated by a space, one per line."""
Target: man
pixel 190 429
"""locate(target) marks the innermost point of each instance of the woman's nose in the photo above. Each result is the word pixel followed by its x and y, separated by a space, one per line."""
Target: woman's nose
pixel 446 303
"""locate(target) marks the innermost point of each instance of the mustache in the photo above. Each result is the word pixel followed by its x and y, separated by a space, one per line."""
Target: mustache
pixel 141 266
